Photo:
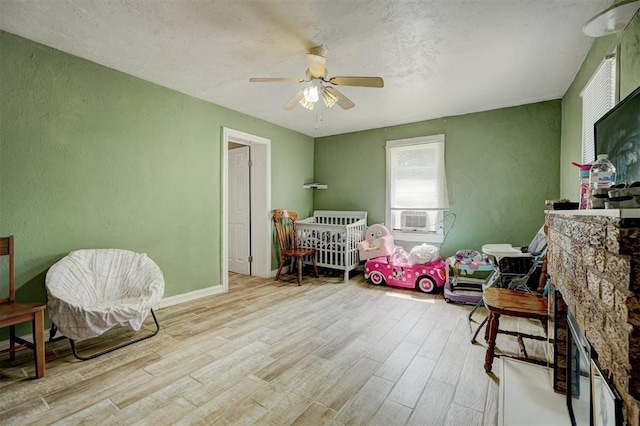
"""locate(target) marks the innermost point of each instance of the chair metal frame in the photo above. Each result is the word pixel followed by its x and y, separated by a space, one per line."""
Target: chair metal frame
pixel 54 331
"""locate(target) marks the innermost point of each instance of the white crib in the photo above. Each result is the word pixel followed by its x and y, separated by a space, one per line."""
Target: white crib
pixel 335 236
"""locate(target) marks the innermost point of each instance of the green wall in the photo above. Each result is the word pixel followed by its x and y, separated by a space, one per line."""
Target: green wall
pixel 501 167
pixel 91 158
pixel 629 78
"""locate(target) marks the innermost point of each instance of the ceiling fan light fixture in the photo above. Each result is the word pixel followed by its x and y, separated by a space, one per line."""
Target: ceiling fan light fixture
pixel 329 98
pixel 315 77
pixel 311 93
pixel 612 20
pixel 306 104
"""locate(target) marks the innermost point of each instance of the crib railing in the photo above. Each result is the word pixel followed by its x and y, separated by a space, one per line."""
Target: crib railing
pixel 335 236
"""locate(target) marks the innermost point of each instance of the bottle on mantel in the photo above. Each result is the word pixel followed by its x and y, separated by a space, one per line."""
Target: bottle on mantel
pixel 584 184
pixel 602 176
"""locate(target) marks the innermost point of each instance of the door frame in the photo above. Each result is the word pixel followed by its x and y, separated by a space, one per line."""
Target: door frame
pixel 260 200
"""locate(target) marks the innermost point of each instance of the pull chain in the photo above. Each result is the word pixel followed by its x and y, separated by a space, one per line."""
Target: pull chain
pixel 318 117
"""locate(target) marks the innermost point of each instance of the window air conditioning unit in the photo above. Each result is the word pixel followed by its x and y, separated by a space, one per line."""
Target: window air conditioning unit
pixel 414 220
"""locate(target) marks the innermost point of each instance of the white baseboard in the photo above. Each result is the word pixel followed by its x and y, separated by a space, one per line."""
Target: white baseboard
pixel 164 303
pixel 188 297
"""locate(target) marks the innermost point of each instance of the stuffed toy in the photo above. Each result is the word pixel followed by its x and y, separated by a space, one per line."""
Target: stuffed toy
pixel 378 242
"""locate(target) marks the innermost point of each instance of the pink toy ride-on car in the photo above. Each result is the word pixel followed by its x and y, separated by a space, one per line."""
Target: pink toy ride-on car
pixel 426 277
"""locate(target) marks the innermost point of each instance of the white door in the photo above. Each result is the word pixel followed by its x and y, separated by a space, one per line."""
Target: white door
pixel 239 211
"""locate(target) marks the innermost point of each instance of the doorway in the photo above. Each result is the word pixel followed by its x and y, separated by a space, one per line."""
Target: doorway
pixel 259 203
pixel 239 218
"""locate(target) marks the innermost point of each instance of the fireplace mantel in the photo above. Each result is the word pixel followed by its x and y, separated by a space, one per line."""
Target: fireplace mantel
pixel 594 262
pixel 613 213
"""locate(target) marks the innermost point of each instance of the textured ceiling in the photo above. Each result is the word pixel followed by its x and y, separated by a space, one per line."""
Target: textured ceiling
pixel 437 57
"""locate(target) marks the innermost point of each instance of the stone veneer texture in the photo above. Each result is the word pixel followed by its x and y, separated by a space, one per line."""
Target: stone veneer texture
pixel 594 261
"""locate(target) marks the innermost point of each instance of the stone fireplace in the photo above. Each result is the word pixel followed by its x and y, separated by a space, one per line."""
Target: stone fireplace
pixel 594 263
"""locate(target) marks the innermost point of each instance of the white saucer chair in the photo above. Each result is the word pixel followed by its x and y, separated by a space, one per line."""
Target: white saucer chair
pixel 92 291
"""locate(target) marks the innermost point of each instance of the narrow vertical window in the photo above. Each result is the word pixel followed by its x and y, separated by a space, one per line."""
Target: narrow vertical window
pixel 598 97
pixel 416 187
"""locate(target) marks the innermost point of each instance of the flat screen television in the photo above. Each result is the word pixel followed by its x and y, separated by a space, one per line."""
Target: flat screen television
pixel 617 134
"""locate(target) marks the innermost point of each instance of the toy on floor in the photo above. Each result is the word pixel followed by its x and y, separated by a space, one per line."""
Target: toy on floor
pixel 422 269
pixel 470 270
pixel 378 242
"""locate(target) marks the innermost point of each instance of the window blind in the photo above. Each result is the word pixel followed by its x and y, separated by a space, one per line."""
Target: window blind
pixel 598 97
pixel 416 174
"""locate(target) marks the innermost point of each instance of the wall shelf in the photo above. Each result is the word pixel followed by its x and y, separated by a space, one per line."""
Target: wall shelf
pixel 314 186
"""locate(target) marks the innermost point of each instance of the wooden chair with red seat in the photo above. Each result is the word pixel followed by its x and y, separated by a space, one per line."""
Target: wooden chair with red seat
pixel 519 304
pixel 12 313
pixel 284 223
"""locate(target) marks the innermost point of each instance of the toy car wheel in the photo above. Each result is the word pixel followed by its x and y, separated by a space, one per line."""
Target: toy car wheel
pixel 376 278
pixel 426 285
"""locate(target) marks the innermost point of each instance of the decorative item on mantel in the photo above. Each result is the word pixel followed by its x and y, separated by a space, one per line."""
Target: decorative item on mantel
pixel 583 175
pixel 314 186
pixel 602 176
pixel 621 196
pixel 562 204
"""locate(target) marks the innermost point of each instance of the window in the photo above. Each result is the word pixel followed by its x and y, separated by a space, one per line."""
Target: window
pixel 416 188
pixel 598 97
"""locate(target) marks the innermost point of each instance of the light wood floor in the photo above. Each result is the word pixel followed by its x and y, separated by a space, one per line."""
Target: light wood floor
pixel 273 353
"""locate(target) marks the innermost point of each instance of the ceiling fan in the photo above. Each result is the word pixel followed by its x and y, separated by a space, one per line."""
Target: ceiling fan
pixel 316 74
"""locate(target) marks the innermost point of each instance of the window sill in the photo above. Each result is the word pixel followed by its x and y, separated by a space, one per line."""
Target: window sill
pixel 417 237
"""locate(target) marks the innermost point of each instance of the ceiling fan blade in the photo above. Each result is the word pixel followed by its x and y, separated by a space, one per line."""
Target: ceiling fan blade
pixel 276 80
pixel 343 101
pixel 317 65
pixel 357 81
pixel 293 101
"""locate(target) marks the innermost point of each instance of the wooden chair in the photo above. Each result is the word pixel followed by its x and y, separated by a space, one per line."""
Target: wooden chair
pixel 517 304
pixel 284 223
pixel 12 313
